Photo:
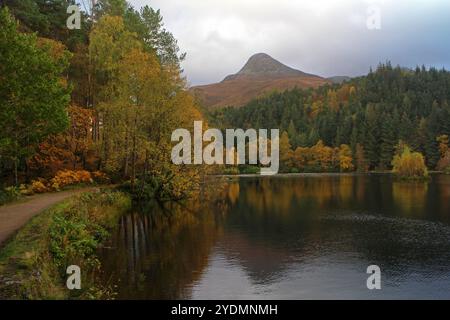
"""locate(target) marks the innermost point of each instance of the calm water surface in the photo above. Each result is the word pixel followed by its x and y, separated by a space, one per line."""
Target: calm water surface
pixel 288 237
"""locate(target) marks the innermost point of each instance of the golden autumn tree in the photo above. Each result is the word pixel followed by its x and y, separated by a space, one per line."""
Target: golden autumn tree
pixel 109 42
pixel 286 153
pixel 408 164
pixel 138 104
pixel 322 156
pixel 345 158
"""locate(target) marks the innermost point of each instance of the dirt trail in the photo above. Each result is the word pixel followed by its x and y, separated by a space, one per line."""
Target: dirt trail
pixel 14 216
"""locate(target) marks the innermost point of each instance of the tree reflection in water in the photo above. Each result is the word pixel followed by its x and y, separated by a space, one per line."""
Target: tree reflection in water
pixel 309 236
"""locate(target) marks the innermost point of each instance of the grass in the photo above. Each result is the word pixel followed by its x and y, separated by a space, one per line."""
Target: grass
pixel 9 194
pixel 33 264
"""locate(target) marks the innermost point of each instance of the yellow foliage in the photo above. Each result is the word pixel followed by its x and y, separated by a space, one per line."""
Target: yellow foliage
pixel 69 177
pixel 38 186
pixel 345 158
pixel 409 164
pixel 322 158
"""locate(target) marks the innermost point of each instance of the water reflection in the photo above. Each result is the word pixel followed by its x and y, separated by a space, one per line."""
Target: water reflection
pixel 288 237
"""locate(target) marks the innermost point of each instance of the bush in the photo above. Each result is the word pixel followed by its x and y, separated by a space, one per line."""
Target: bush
pixel 100 177
pixel 294 170
pixel 444 163
pixel 231 170
pixel 38 186
pixel 69 177
pixel 9 194
pixel 72 240
pixel 76 232
pixel 249 169
pixel 409 164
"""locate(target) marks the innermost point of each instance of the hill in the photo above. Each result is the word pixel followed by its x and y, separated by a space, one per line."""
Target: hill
pixel 339 79
pixel 260 76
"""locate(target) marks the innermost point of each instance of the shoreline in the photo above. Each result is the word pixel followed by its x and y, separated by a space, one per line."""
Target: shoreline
pixel 312 174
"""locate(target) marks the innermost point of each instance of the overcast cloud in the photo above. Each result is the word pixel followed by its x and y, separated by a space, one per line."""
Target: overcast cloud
pixel 324 37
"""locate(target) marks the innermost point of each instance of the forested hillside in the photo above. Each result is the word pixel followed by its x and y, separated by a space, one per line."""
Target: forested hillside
pixel 369 115
pixel 98 102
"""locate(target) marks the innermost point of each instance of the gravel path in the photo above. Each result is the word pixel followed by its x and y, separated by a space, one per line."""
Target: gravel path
pixel 14 216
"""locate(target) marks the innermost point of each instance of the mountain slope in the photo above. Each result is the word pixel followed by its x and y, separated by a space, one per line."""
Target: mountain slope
pixel 339 79
pixel 260 75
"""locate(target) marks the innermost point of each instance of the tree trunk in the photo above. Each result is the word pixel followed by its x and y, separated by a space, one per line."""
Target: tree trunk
pixel 125 169
pixel 16 176
pixel 133 159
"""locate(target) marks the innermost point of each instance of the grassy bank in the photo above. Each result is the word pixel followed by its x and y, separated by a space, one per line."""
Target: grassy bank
pixel 33 264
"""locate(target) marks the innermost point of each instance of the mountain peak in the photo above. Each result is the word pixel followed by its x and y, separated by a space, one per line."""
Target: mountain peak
pixel 263 65
pixel 260 76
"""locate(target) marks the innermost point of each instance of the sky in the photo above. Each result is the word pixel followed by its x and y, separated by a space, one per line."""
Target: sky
pixel 323 37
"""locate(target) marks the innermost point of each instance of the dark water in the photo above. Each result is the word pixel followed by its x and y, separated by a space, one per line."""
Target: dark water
pixel 290 237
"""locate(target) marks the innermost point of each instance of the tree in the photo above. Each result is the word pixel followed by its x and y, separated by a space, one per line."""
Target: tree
pixel 443 144
pixel 48 19
pixel 322 156
pixel 409 164
pixel 360 159
pixel 109 42
pixel 387 142
pixel 148 25
pixel 71 149
pixel 345 158
pixel 158 39
pixel 444 162
pixel 286 153
pixel 33 94
pixel 110 7
pixel 292 134
pixel 372 136
pixel 432 131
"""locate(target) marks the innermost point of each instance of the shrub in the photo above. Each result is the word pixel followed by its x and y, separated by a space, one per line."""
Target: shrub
pixel 38 186
pixel 76 232
pixel 69 177
pixel 409 164
pixel 25 190
pixel 9 194
pixel 231 170
pixel 244 169
pixel 444 163
pixel 100 177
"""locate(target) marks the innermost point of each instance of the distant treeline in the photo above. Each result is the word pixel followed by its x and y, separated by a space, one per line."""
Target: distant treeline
pixel 371 114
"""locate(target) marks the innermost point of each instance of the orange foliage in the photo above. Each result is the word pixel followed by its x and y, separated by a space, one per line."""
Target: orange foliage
pixel 68 177
pixel 70 149
pixel 323 158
